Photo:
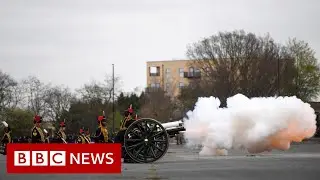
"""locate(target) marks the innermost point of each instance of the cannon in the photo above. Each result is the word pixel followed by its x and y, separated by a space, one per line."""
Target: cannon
pixel 146 140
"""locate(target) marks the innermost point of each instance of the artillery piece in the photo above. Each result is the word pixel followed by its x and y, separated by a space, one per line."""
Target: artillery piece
pixel 147 140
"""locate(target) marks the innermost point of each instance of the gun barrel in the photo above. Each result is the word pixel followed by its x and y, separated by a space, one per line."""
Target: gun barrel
pixel 174 124
pixel 174 127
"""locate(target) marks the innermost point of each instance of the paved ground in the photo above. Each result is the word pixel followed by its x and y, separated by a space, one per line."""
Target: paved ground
pixel 301 162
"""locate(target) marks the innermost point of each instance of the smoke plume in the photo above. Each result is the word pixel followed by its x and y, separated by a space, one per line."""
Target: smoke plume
pixel 255 125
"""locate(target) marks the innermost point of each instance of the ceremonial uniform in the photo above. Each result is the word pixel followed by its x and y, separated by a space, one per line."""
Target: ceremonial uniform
pixel 82 139
pixel 88 135
pixel 128 120
pixel 37 135
pixel 62 137
pixel 6 138
pixel 102 135
pixel 46 140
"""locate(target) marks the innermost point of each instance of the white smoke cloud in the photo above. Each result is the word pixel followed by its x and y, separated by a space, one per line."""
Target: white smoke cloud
pixel 255 125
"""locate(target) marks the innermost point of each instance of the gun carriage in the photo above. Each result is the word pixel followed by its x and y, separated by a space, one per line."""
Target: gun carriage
pixel 146 140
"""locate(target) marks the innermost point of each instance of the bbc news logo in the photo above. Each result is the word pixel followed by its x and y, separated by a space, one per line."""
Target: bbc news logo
pixel 58 158
pixel 64 158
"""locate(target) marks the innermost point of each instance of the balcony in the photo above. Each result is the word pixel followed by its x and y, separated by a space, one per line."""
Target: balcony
pixel 192 74
pixel 152 89
pixel 154 74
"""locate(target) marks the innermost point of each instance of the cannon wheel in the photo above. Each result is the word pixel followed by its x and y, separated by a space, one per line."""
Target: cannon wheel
pixel 146 140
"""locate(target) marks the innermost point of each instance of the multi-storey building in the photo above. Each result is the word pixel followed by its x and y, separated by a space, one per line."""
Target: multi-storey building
pixel 171 76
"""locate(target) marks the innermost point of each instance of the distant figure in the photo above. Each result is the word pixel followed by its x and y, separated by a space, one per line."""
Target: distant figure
pixel 179 138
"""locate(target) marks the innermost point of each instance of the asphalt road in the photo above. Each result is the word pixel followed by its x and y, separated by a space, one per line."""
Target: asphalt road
pixel 301 162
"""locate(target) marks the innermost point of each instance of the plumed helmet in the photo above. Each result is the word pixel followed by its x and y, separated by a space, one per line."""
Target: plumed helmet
pixel 63 123
pixel 81 130
pixel 129 111
pixel 37 119
pixel 102 118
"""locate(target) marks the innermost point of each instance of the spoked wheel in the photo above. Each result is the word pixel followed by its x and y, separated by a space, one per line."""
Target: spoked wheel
pixel 146 141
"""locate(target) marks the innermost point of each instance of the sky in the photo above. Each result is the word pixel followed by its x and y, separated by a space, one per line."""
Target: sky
pixel 73 42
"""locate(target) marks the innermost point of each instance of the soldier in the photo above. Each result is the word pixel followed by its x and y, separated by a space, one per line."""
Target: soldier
pixel 82 139
pixel 46 140
pixel 128 120
pixel 102 135
pixel 37 135
pixel 6 138
pixel 88 135
pixel 62 137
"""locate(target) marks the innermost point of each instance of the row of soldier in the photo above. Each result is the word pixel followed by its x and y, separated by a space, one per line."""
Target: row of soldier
pixel 39 135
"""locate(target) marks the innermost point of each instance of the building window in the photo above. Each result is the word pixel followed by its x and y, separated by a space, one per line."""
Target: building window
pixel 154 71
pixel 181 72
pixel 197 73
pixel 155 85
pixel 181 85
pixel 191 71
pixel 168 72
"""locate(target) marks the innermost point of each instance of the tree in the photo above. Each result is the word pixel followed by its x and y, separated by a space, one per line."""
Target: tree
pixel 58 100
pixel 189 96
pixel 94 98
pixel 307 77
pixel 78 116
pixel 35 92
pixel 8 87
pixel 239 62
pixel 124 101
pixel 156 104
pixel 20 121
pixel 99 92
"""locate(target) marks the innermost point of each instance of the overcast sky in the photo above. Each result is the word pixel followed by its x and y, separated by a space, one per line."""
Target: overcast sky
pixel 73 41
